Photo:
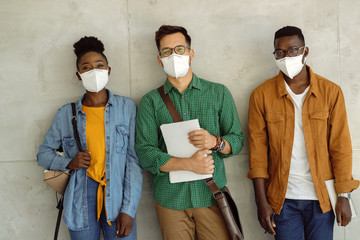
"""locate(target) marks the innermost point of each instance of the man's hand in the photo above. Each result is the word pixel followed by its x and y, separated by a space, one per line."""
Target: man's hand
pixel 202 139
pixel 265 212
pixel 202 163
pixel 343 211
pixel 266 217
pixel 81 160
pixel 124 224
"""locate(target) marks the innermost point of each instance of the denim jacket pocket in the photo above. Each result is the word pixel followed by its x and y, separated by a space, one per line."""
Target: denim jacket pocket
pixel 122 138
pixel 69 146
pixel 319 125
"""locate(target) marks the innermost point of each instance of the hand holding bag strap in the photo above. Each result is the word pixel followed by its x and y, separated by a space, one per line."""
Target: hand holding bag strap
pixel 170 105
pixel 76 133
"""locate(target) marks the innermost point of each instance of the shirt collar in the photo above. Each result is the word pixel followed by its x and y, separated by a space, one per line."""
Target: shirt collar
pixel 195 83
pixel 78 104
pixel 280 82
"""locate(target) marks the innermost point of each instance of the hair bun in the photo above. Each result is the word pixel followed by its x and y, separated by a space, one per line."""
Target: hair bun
pixel 88 44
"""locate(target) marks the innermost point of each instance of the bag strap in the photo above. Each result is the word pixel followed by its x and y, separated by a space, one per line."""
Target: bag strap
pixel 170 105
pixel 60 206
pixel 210 182
pixel 76 133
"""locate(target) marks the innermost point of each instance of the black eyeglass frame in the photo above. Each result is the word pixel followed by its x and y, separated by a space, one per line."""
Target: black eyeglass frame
pixel 173 50
pixel 284 52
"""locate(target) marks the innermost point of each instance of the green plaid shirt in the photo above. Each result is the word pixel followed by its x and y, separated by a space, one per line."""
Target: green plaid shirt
pixel 214 106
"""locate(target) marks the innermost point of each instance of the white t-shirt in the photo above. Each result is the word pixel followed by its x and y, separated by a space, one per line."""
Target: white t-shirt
pixel 300 183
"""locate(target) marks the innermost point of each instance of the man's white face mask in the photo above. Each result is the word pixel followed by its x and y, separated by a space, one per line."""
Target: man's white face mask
pixel 95 80
pixel 176 65
pixel 291 66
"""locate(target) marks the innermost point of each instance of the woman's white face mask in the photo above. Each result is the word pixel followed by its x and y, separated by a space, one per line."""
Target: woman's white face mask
pixel 176 65
pixel 95 80
pixel 291 66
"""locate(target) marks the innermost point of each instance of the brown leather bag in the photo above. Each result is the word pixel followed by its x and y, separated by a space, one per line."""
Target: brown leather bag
pixel 228 209
pixel 225 202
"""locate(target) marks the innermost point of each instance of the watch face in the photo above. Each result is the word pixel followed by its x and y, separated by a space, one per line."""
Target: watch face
pixel 222 145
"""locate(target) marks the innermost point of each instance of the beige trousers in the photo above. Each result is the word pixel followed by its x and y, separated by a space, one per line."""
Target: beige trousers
pixel 205 223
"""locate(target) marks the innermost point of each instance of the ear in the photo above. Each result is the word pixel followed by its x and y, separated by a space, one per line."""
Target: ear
pixel 109 70
pixel 192 55
pixel 78 76
pixel 159 60
pixel 306 52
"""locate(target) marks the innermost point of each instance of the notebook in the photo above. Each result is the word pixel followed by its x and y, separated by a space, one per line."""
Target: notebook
pixel 178 145
pixel 330 186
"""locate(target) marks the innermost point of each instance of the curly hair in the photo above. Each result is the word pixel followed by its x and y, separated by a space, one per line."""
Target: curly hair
pixel 88 44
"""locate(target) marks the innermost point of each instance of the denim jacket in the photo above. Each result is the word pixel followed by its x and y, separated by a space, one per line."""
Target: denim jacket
pixel 122 168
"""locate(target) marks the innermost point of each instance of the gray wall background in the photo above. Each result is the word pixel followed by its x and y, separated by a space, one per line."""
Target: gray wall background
pixel 233 42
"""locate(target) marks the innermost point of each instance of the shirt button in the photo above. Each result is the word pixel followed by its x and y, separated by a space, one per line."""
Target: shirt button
pixel 107 195
pixel 183 96
pixel 107 110
pixel 107 122
pixel 108 137
pixel 107 166
pixel 107 151
pixel 184 113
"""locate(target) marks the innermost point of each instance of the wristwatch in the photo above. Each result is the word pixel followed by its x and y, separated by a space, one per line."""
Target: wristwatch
pixel 220 144
pixel 346 195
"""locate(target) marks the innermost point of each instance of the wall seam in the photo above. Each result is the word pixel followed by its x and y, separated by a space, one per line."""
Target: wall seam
pixel 340 68
pixel 339 42
pixel 129 47
pixel 18 161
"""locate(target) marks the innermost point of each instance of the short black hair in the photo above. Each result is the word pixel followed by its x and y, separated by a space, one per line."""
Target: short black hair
pixel 289 31
pixel 168 29
pixel 88 44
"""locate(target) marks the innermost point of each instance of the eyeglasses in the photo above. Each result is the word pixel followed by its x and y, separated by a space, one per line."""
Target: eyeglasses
pixel 179 49
pixel 292 52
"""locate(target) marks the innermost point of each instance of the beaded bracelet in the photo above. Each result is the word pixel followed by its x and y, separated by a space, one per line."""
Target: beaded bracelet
pixel 216 148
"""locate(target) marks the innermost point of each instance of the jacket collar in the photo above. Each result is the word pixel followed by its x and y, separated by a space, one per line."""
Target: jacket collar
pixel 78 104
pixel 280 83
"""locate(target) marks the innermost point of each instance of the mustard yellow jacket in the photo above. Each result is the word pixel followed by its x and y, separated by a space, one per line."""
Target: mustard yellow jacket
pixel 327 137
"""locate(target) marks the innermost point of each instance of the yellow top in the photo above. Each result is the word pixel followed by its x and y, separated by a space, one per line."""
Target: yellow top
pixel 95 138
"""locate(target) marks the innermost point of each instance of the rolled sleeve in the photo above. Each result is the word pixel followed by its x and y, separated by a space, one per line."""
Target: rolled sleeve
pixel 258 140
pixel 340 148
pixel 47 157
pixel 147 139
pixel 133 174
pixel 346 186
pixel 230 127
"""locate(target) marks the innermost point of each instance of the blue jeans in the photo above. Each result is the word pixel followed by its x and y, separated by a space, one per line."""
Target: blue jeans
pixel 93 233
pixel 303 219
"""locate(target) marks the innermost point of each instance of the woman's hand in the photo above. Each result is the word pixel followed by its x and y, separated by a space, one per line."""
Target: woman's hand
pixel 124 224
pixel 81 160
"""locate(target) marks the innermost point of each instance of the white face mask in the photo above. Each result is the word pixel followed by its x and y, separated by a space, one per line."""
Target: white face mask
pixel 176 65
pixel 291 66
pixel 95 80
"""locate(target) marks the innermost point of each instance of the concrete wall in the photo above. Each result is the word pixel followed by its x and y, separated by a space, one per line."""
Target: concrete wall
pixel 233 42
